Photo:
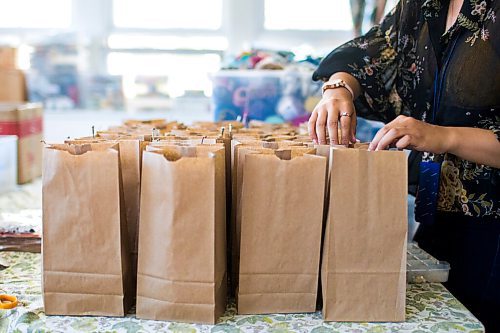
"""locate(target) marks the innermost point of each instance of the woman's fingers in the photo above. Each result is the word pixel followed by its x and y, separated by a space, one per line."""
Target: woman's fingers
pixel 354 124
pixel 398 122
pixel 321 126
pixel 333 126
pixel 404 142
pixel 346 115
pixel 376 139
pixel 391 136
pixel 312 126
pixel 388 139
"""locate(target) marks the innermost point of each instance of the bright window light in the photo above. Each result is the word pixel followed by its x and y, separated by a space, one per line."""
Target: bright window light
pixel 35 13
pixel 168 14
pixel 313 15
pixel 183 71
pixel 143 41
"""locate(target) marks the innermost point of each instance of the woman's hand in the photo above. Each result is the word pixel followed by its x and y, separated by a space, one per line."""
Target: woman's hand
pixel 472 144
pixel 406 132
pixel 335 107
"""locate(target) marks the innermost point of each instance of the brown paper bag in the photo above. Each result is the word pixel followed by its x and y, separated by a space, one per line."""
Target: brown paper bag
pixel 238 161
pixel 130 169
pixel 281 221
pixel 182 237
pixel 240 149
pixel 85 259
pixel 363 271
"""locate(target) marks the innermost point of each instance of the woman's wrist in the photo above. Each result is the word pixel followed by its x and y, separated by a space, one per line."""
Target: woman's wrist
pixel 337 84
pixel 337 93
pixel 450 139
pixel 351 81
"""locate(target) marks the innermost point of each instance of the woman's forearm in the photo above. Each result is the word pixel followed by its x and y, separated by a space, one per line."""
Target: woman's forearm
pixel 474 144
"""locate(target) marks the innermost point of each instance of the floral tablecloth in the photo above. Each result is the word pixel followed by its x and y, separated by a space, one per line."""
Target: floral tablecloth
pixel 430 308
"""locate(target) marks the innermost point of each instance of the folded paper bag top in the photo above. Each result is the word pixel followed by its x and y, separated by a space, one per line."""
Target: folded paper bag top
pixel 81 147
pixel 183 141
pixel 86 269
pixel 173 151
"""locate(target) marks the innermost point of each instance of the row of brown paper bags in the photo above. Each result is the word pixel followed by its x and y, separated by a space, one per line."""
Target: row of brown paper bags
pixel 281 195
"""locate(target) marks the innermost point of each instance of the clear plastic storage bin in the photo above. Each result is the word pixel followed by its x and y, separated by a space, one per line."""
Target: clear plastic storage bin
pixel 422 267
pixel 8 163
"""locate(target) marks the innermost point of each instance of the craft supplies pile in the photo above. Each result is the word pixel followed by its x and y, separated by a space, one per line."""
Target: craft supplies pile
pixel 176 219
pixel 272 86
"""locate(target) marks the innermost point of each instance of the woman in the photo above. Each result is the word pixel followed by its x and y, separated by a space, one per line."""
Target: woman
pixel 430 71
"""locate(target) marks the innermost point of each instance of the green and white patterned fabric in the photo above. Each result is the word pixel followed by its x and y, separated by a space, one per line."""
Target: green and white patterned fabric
pixel 430 308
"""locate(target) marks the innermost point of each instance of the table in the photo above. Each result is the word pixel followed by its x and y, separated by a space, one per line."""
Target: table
pixel 430 308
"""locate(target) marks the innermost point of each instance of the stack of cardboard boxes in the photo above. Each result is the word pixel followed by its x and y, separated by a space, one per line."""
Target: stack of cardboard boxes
pixel 25 120
pixel 12 80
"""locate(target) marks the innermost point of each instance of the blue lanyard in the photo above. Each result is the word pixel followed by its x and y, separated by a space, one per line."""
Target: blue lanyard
pixel 438 81
pixel 430 172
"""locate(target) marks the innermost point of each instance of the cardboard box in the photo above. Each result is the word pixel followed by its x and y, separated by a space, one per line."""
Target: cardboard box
pixel 8 58
pixel 25 121
pixel 12 86
pixel 8 163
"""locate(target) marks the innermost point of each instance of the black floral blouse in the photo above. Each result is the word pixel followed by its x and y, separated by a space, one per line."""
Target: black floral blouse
pixel 409 66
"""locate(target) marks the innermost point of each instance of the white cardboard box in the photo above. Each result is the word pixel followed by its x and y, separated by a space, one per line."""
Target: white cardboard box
pixel 8 163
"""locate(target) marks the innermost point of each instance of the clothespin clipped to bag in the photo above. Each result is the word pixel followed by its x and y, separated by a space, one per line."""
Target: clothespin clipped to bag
pixel 155 133
pixel 230 135
pixel 220 138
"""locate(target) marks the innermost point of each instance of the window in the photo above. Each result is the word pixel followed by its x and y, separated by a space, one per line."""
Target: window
pixel 310 15
pixel 184 72
pixel 146 42
pixel 35 13
pixel 168 14
pixel 155 42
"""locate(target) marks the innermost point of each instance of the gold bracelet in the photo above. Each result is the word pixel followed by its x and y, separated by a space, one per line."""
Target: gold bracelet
pixel 337 83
